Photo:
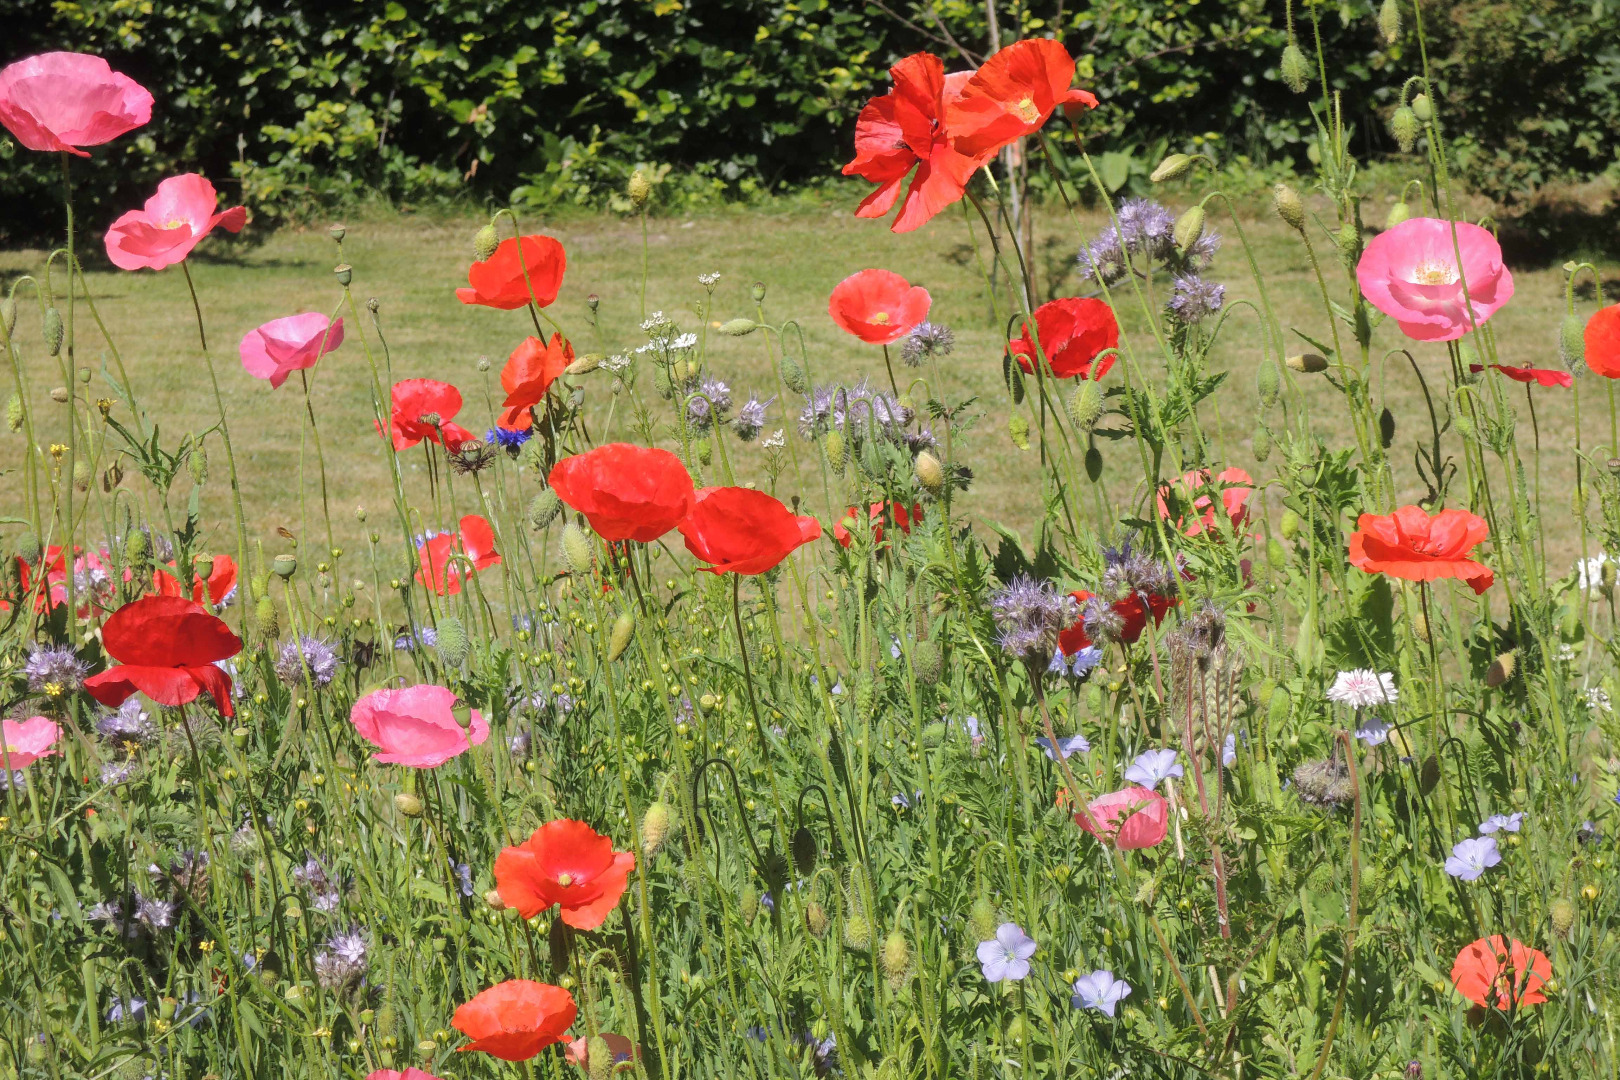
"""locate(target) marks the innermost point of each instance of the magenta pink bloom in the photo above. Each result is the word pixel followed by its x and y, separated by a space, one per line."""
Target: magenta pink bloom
pixel 27 741
pixel 172 222
pixel 415 726
pixel 1134 817
pixel 1412 274
pixel 64 100
pixel 282 346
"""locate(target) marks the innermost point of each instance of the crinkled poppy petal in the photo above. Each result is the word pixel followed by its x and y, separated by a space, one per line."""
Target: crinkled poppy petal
pixel 611 884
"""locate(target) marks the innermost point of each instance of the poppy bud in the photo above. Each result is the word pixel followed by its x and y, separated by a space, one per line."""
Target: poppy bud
pixel 578 551
pixel 983 919
pixel 344 273
pixel 815 919
pixel 1289 206
pixel 1464 423
pixel 748 907
pixel 493 901
pixel 1386 428
pixel 284 566
pixel 896 959
pixel 832 445
pixel 930 473
pixel 543 509
pixel 704 451
pixel 583 366
pixel 1389 21
pixel 1423 108
pixel 1267 384
pixel 61 395
pixel 137 548
pixel 738 327
pixel 1571 346
pixel 1294 68
pixel 1276 554
pixel 81 474
pixel 1397 214
pixel 1501 669
pixel 453 645
pixel 1262 443
pixel 558 948
pixel 1562 914
pixel 54 330
pixel 408 804
pixel 656 825
pixel 1085 405
pixel 1290 524
pixel 639 189
pixel 1172 167
pixel 8 314
pixel 803 847
pixel 1307 363
pixel 624 627
pixel 197 465
pixel 757 292
pixel 1405 127
pixel 1348 239
pixel 598 1058
pixel 793 376
pixel 926 662
pixel 15 413
pixel 857 932
pixel 1606 578
pixel 485 241
pixel 1189 227
pixel 1018 431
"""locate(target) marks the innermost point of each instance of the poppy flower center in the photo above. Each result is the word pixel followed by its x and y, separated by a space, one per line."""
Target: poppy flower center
pixel 1027 112
pixel 1434 274
pixel 881 318
pixel 173 224
pixel 565 880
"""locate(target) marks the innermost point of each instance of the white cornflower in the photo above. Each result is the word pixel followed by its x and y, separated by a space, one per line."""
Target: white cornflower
pixel 1362 689
pixel 1597 699
pixel 1589 572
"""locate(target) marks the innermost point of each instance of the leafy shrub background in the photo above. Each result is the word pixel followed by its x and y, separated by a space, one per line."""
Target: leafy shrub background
pixel 313 104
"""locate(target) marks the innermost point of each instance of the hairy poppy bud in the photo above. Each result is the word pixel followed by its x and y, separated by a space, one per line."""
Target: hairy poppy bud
pixel 896 959
pixel 54 330
pixel 578 551
pixel 930 473
pixel 857 932
pixel 1571 346
pixel 1405 127
pixel 1189 227
pixel 1307 363
pixel 1267 384
pixel 793 376
pixel 926 662
pixel 832 445
pixel 1289 206
pixel 1261 443
pixel 284 566
pixel 485 241
pixel 1562 914
pixel 408 804
pixel 1397 214
pixel 624 628
pixel 265 619
pixel 639 189
pixel 15 413
pixel 8 314
pixel 738 327
pixel 197 465
pixel 543 509
pixel 1294 69
pixel 1501 669
pixel 137 548
pixel 803 846
pixel 1386 428
pixel 598 1059
pixel 1389 21
pixel 748 907
pixel 983 919
pixel 61 395
pixel 1018 431
pixel 656 825
pixel 82 475
pixel 1290 524
pixel 1348 239
pixel 1276 554
pixel 1171 167
pixel 756 292
pixel 815 919
pixel 453 645
pixel 1085 405
pixel 1423 108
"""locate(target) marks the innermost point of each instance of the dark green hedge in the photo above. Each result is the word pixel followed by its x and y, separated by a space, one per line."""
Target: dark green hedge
pixel 312 102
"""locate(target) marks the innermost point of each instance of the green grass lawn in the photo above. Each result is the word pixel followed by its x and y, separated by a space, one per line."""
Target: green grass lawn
pixel 799 249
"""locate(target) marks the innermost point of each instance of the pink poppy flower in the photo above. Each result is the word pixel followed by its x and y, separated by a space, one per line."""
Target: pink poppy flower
pixel 172 222
pixel 415 726
pixel 1411 274
pixel 282 346
pixel 65 100
pixel 27 741
pixel 1234 486
pixel 409 1073
pixel 578 1051
pixel 1134 817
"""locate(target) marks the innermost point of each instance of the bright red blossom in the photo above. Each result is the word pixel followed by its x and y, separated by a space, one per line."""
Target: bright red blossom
pixel 743 531
pixel 1411 545
pixel 516 1019
pixel 1234 486
pixel 528 374
pixel 1013 95
pixel 64 100
pixel 876 514
pixel 626 492
pixel 1539 376
pixel 1602 338
pixel 507 280
pixel 1131 609
pixel 566 863
pixel 878 306
pixel 166 647
pixel 415 403
pixel 1073 331
pixel 221 580
pixel 475 542
pixel 1494 973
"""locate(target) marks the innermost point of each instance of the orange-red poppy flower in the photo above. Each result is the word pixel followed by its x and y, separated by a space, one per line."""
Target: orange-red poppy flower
pixel 166 647
pixel 626 492
pixel 896 512
pixel 1013 95
pixel 1495 973
pixel 1133 610
pixel 1411 545
pixel 566 863
pixel 220 584
pixel 516 1019
pixel 904 130
pixel 505 281
pixel 1603 342
pixel 743 531
pixel 1539 376
pixel 878 306
pixel 1234 485
pixel 528 374
pixel 1133 817
pixel 1072 331
pixel 422 409
pixel 477 543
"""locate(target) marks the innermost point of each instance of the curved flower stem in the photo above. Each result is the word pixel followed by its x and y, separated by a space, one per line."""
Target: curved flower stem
pixel 320 460
pixel 753 705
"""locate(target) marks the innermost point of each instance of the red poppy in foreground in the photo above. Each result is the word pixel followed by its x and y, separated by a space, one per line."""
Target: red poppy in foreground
pixel 1602 338
pixel 1132 610
pixel 65 100
pixel 172 222
pixel 1511 974
pixel 566 863
pixel 1412 546
pixel 422 409
pixel 166 647
pixel 477 543
pixel 878 306
pixel 1012 95
pixel 506 281
pixel 1539 376
pixel 1073 332
pixel 516 1019
pixel 896 512
pixel 743 531
pixel 276 349
pixel 1134 817
pixel 626 492
pixel 1235 487
pixel 221 582
pixel 902 130
pixel 528 374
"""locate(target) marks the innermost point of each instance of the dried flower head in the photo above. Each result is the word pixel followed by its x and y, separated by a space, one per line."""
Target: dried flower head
pixel 1324 783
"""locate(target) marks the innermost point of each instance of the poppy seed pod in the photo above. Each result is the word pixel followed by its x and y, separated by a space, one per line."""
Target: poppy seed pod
pixel 1571 346
pixel 485 241
pixel 344 273
pixel 624 628
pixel 453 645
pixel 756 292
pixel 896 959
pixel 1405 127
pixel 738 327
pixel 1189 227
pixel 1389 21
pixel 1423 108
pixel 284 566
pixel 1172 167
pixel 1294 68
pixel 639 189
pixel 543 509
pixel 1289 206
pixel 408 804
pixel 203 566
pixel 54 330
pixel 1085 405
pixel 656 825
pixel 578 551
pixel 1307 363
pixel 593 301
pixel 930 473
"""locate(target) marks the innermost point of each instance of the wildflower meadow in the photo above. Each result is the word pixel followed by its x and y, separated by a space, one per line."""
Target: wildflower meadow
pixel 662 716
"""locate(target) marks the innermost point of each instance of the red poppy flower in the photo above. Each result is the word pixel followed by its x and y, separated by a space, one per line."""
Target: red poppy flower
pixel 1133 817
pixel 516 1019
pixel 566 863
pixel 902 130
pixel 1539 376
pixel 417 403
pixel 500 282
pixel 899 514
pixel 1511 973
pixel 1131 609
pixel 1073 331
pixel 1603 342
pixel 1013 95
pixel 221 581
pixel 1235 487
pixel 528 374
pixel 166 647
pixel 1411 545
pixel 626 492
pixel 743 531
pixel 477 543
pixel 878 306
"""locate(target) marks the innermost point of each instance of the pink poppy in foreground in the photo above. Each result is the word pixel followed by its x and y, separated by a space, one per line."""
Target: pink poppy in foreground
pixel 172 222
pixel 878 306
pixel 411 1073
pixel 26 741
pixel 1234 485
pixel 280 347
pixel 1411 273
pixel 415 726
pixel 1539 376
pixel 65 100
pixel 1135 817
